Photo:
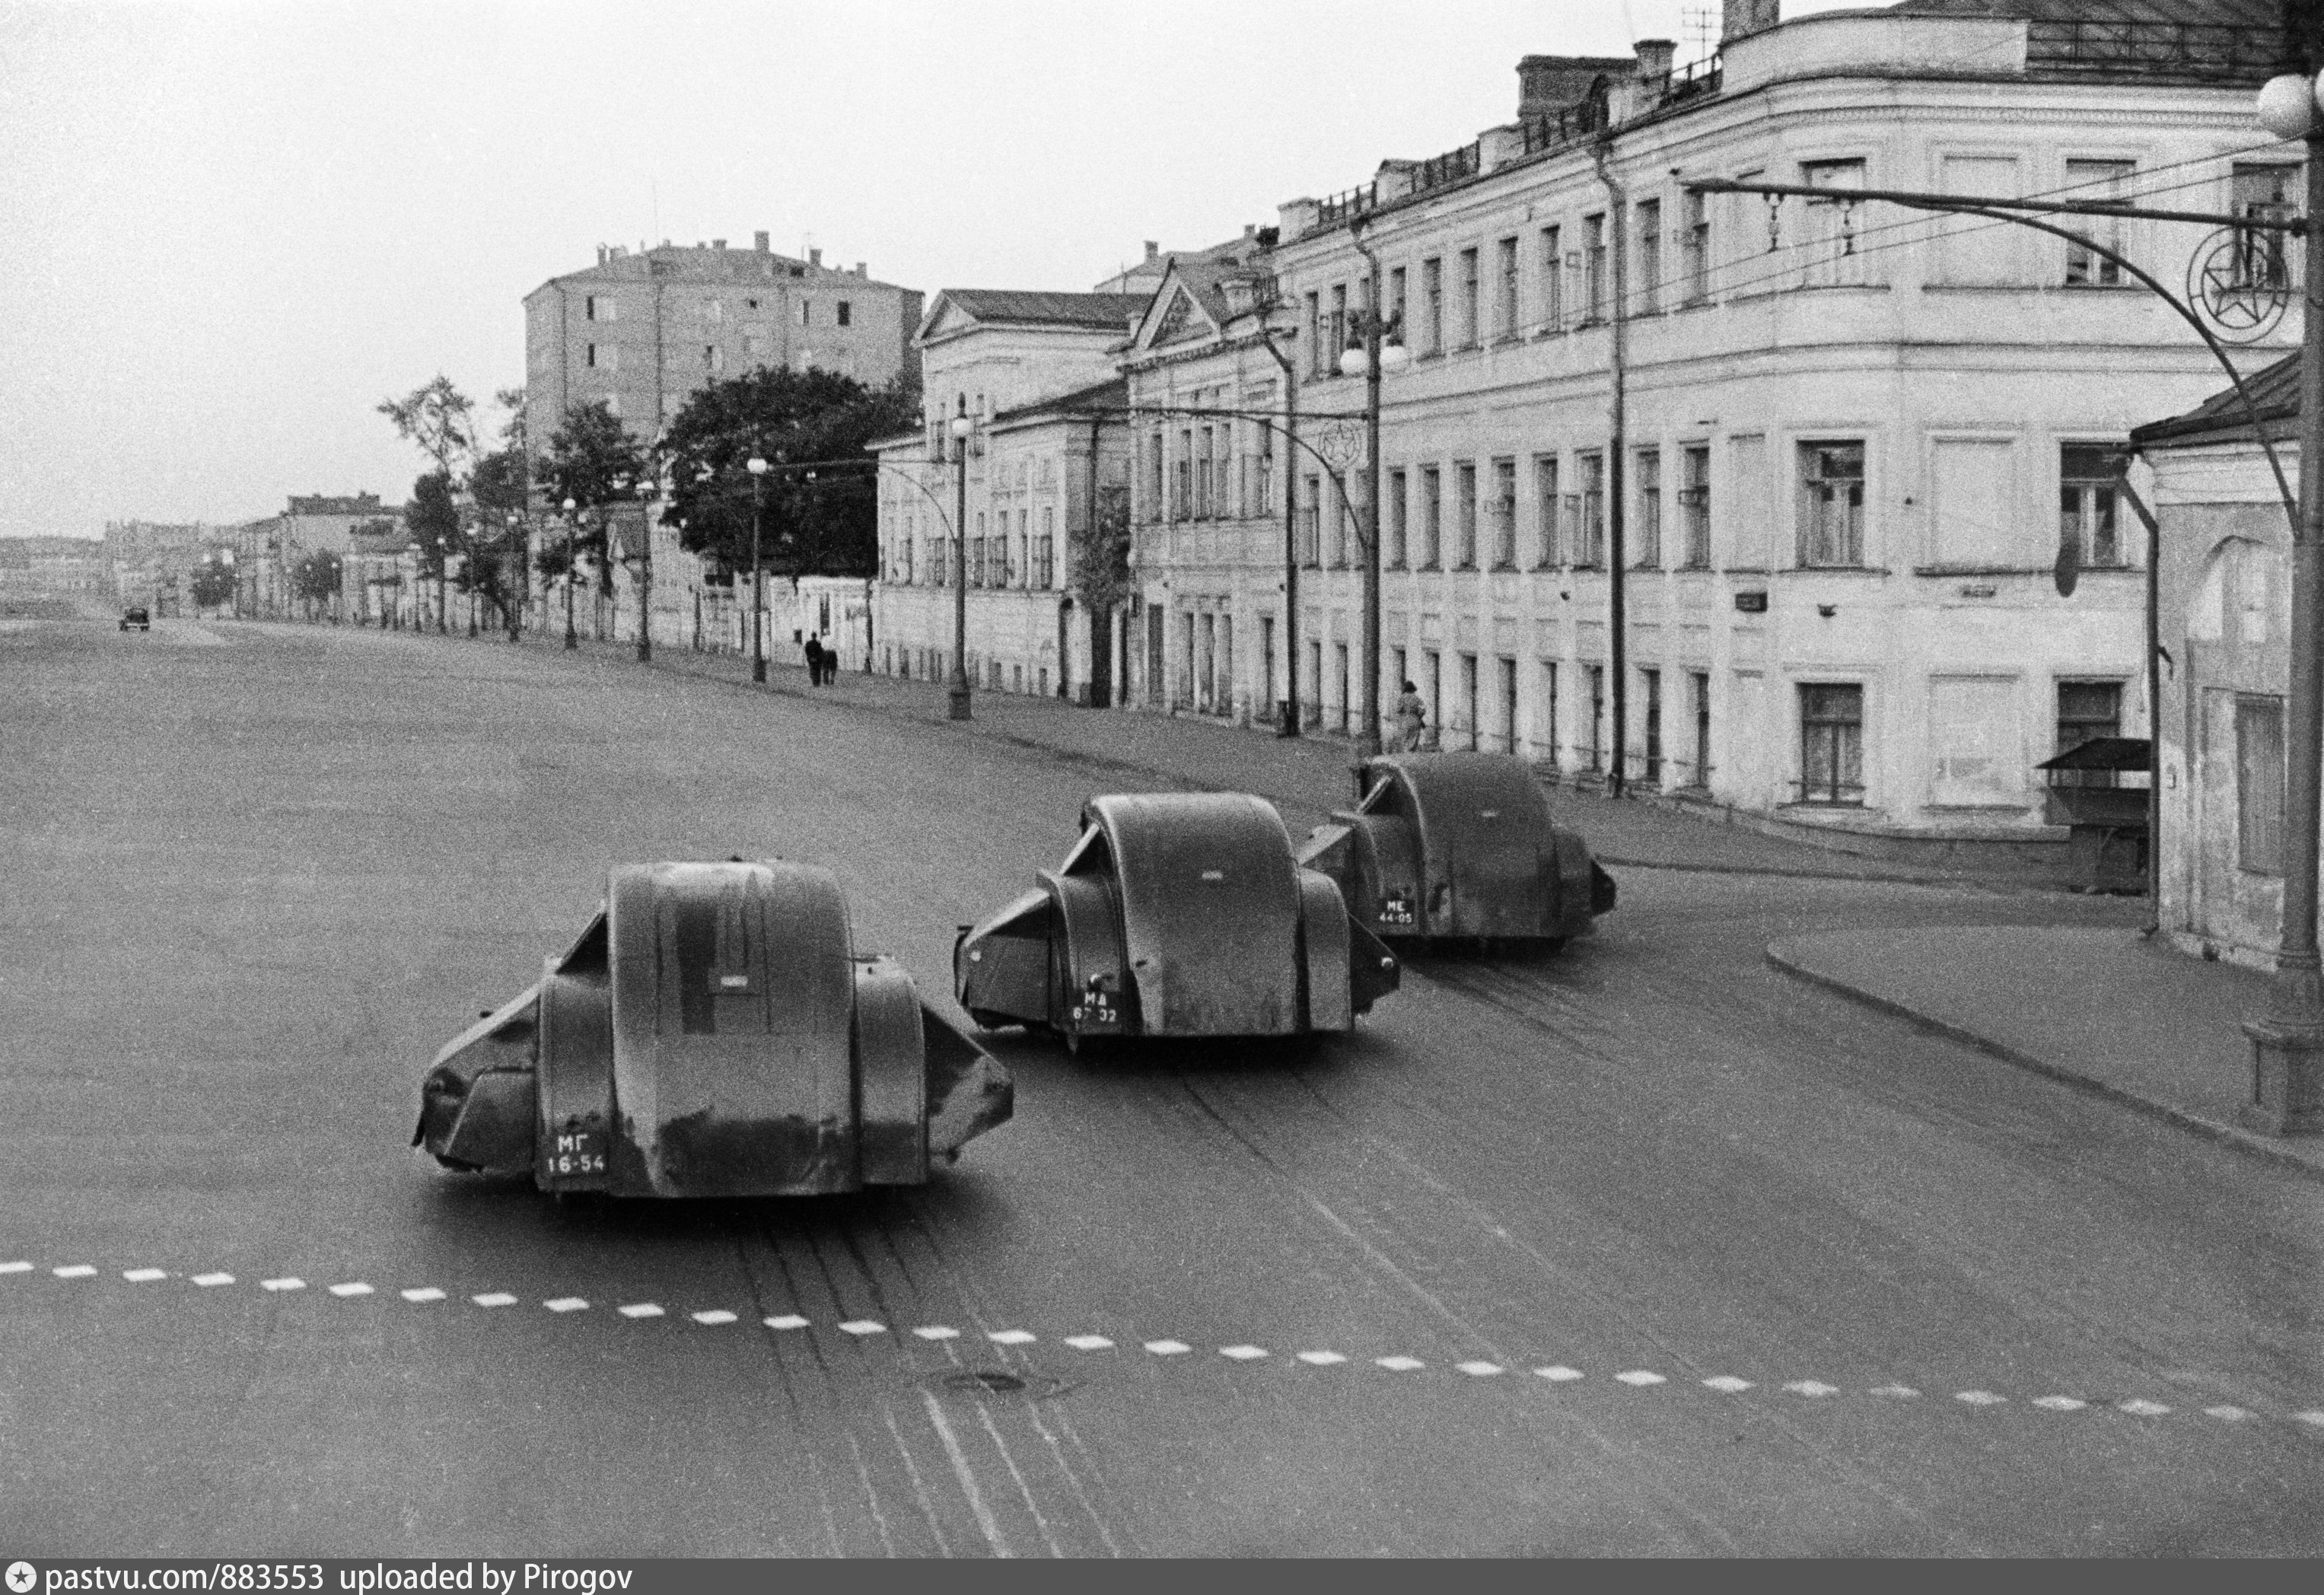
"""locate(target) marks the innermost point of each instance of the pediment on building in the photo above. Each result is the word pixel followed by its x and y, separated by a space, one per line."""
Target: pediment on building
pixel 1177 315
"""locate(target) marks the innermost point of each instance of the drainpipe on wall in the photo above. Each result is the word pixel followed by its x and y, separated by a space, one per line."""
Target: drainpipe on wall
pixel 1617 554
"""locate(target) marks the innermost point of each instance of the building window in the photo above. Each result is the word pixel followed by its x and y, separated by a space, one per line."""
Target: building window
pixel 805 310
pixel 1182 478
pixel 1392 550
pixel 1694 246
pixel 1694 507
pixel 1308 513
pixel 1546 746
pixel 1553 282
pixel 2086 711
pixel 1506 264
pixel 1547 548
pixel 1337 342
pixel 2264 192
pixel 1504 508
pixel 1652 682
pixel 2259 784
pixel 602 358
pixel 2096 179
pixel 2087 486
pixel 1154 500
pixel 1597 719
pixel 1830 251
pixel 712 360
pixel 1339 527
pixel 1468 310
pixel 1831 504
pixel 1831 745
pixel 601 307
pixel 846 313
pixel 1432 517
pixel 1432 307
pixel 1593 268
pixel 1593 553
pixel 1317 357
pixel 1464 514
pixel 1396 293
pixel 1701 682
pixel 1649 292
pixel 1204 501
pixel 1649 465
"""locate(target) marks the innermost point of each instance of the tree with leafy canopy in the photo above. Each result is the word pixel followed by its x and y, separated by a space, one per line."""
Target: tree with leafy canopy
pixel 825 525
pixel 439 419
pixel 213 582
pixel 316 577
pixel 597 462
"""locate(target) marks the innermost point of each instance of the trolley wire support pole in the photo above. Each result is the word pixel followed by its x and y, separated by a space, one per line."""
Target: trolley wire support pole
pixel 957 705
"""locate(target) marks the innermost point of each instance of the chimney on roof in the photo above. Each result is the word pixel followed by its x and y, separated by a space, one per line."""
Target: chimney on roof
pixel 720 242
pixel 1739 17
pixel 1655 57
pixel 758 242
pixel 863 268
pixel 815 257
pixel 1152 249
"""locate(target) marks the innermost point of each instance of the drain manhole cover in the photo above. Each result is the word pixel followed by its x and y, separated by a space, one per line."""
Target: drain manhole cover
pixel 996 1381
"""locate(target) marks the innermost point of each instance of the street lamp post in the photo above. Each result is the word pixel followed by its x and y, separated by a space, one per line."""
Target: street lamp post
pixel 2288 1041
pixel 758 468
pixel 1374 358
pixel 443 583
pixel 521 579
pixel 645 578
pixel 958 706
pixel 572 537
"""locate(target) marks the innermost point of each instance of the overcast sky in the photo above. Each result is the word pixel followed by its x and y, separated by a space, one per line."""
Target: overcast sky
pixel 240 225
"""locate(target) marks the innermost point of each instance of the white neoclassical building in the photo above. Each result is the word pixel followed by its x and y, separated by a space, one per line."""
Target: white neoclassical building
pixel 1839 445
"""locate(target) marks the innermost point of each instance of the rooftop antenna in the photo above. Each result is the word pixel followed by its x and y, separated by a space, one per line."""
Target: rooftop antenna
pixel 1701 25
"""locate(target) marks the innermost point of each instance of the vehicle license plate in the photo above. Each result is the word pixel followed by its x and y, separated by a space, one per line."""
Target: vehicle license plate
pixel 573 1154
pixel 1396 908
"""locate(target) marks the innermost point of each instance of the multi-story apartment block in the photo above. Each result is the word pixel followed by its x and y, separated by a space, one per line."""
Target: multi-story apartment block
pixel 641 331
pixel 1047 462
pixel 1825 452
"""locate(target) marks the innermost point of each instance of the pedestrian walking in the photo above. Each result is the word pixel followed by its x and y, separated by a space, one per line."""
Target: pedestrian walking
pixel 830 656
pixel 1411 720
pixel 814 661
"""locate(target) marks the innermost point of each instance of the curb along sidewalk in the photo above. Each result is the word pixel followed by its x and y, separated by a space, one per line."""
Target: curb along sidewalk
pixel 1310 774
pixel 2107 1011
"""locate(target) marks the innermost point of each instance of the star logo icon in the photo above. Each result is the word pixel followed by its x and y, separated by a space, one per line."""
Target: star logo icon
pixel 21 1578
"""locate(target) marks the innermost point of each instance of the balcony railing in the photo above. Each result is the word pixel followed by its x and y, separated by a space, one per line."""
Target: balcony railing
pixel 1553 129
pixel 1452 167
pixel 1341 208
pixel 2203 52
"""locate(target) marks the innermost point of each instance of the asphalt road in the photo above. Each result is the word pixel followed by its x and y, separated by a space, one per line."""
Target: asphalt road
pixel 256 876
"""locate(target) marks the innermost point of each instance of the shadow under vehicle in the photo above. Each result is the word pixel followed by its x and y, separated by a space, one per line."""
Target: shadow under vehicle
pixel 1179 913
pixel 1444 846
pixel 713 1033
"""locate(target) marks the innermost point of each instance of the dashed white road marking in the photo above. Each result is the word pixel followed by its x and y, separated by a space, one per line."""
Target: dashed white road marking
pixel 567 1305
pixel 714 1315
pixel 785 1321
pixel 353 1287
pixel 1979 1399
pixel 1557 1374
pixel 1320 1359
pixel 75 1271
pixel 2142 1408
pixel 640 1310
pixel 1168 1347
pixel 15 1267
pixel 417 1293
pixel 2233 1414
pixel 495 1298
pixel 860 1326
pixel 1089 1342
pixel 1728 1383
pixel 2316 1418
pixel 936 1331
pixel 1479 1370
pixel 144 1276
pixel 1243 1353
pixel 1811 1387
pixel 1398 1364
pixel 1010 1337
pixel 2060 1403
pixel 1895 1392
pixel 288 1282
pixel 207 1280
pixel 1640 1378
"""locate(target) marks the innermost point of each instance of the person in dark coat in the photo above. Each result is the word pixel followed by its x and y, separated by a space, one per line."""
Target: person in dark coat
pixel 814 661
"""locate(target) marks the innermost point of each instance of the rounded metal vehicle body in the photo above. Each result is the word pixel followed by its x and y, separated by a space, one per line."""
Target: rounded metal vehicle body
pixel 712 1033
pixel 1174 914
pixel 1459 845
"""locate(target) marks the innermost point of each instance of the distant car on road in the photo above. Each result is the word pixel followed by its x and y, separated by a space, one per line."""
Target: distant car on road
pixel 136 619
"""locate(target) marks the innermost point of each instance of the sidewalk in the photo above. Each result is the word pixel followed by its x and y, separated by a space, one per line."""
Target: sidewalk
pixel 2106 1011
pixel 1308 776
